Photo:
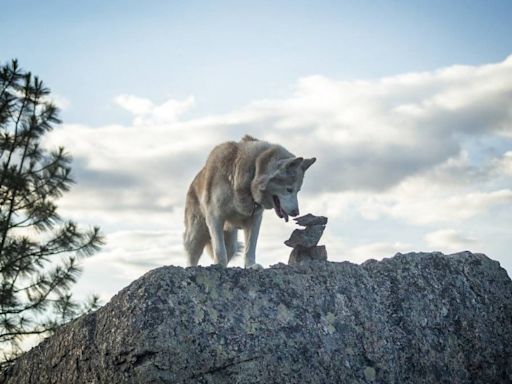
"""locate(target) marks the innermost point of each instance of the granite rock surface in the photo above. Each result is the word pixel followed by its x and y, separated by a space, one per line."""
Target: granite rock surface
pixel 413 318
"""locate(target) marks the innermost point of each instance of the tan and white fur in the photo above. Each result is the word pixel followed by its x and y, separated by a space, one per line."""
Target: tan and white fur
pixel 238 181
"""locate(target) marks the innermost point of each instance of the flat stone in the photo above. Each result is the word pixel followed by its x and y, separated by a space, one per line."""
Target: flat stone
pixel 300 255
pixel 310 219
pixel 308 237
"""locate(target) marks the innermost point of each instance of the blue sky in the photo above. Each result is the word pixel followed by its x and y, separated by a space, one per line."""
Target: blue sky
pixel 406 105
pixel 228 53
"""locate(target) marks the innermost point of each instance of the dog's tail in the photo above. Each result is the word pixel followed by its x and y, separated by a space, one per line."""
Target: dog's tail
pixel 196 235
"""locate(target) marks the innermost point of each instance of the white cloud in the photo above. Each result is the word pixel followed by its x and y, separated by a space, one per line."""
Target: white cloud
pixel 58 100
pixel 423 207
pixel 135 105
pixel 146 112
pixel 503 166
pixel 375 134
pixel 419 148
pixel 127 255
pixel 172 109
pixel 450 240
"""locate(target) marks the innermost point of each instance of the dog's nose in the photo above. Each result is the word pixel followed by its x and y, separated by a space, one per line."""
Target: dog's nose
pixel 294 213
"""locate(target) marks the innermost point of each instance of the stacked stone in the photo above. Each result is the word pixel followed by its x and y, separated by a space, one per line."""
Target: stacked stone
pixel 304 241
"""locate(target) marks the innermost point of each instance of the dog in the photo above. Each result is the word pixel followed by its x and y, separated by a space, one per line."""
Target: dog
pixel 238 182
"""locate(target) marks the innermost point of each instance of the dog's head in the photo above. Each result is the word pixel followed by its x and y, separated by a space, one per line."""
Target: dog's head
pixel 279 188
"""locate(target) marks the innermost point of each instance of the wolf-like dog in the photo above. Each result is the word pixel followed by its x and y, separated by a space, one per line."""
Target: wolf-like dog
pixel 238 181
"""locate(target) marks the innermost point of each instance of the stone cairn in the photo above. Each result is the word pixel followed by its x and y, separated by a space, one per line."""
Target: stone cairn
pixel 304 241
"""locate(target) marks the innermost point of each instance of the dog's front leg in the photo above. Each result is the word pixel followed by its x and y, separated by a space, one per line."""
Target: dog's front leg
pixel 216 229
pixel 251 232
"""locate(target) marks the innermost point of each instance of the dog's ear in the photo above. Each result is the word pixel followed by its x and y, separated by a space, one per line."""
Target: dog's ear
pixel 307 163
pixel 263 180
pixel 259 186
pixel 293 164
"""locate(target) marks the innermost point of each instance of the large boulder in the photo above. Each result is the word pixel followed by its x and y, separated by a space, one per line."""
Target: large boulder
pixel 414 318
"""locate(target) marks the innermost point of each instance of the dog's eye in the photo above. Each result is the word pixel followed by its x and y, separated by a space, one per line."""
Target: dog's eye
pixel 289 190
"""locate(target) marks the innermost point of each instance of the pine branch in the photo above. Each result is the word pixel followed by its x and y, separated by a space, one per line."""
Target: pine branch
pixel 18 119
pixel 19 333
pixel 61 278
pixel 94 241
pixel 13 75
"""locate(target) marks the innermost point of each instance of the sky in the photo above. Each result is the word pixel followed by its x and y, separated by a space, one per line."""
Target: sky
pixel 407 107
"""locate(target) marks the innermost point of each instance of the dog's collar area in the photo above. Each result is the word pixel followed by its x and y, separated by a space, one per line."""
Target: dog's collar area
pixel 255 207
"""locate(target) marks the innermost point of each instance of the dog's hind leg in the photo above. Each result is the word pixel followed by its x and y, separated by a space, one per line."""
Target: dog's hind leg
pixel 231 242
pixel 196 235
pixel 195 239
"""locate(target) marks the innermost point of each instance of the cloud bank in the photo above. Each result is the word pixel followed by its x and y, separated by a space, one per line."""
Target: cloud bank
pixel 423 149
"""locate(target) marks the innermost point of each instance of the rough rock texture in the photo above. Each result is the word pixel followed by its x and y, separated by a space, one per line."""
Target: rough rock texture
pixel 415 318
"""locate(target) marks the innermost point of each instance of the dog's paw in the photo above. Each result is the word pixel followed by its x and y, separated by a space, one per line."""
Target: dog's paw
pixel 255 266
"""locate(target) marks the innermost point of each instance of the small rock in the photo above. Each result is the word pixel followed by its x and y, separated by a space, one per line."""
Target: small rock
pixel 300 254
pixel 308 237
pixel 309 219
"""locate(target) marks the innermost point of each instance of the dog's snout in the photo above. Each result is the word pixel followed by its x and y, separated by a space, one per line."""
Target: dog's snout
pixel 294 213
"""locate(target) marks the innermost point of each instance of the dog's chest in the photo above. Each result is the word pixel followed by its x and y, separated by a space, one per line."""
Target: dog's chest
pixel 240 220
pixel 237 220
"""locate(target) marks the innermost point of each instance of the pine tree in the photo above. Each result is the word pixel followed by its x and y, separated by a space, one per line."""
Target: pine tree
pixel 39 251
